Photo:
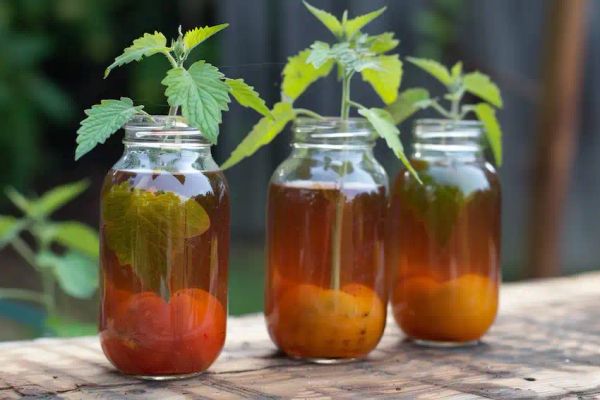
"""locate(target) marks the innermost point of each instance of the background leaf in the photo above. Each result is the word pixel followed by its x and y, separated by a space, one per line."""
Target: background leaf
pixel 384 126
pixel 55 198
pixel 202 95
pixel 7 224
pixel 246 96
pixel 102 121
pixel 456 70
pixel 385 79
pixel 354 25
pixel 299 74
pixel 487 115
pixel 433 68
pixel 145 46
pixel 262 133
pixel 76 274
pixel 77 236
pixel 481 86
pixel 330 21
pixel 407 103
pixel 20 201
pixel 194 37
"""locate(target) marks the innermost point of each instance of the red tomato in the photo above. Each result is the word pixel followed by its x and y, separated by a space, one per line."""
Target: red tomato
pixel 140 341
pixel 199 322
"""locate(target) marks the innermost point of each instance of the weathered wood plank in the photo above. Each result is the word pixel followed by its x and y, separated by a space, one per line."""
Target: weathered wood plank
pixel 545 344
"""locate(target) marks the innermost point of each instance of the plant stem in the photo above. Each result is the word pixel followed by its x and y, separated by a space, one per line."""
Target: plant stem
pixel 355 104
pixel 308 113
pixel 22 295
pixel 174 63
pixel 25 251
pixel 173 111
pixel 336 250
pixel 345 107
pixel 436 106
pixel 455 105
pixel 48 279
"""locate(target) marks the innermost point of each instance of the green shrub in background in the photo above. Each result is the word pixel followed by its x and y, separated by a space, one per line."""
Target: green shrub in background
pixel 63 254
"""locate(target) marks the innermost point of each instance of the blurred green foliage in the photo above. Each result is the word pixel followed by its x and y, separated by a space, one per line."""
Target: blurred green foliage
pixel 25 92
pixel 73 267
pixel 436 25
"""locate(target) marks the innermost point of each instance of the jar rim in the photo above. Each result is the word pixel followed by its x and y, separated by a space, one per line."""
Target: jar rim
pixel 163 129
pixel 430 128
pixel 333 130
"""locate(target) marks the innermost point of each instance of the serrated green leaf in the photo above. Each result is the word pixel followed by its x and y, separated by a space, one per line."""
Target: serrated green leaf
pixel 246 96
pixel 147 230
pixel 262 133
pixel 407 103
pixel 437 204
pixel 386 78
pixel 56 198
pixel 77 236
pixel 7 225
pixel 63 327
pixel 330 21
pixel 76 274
pixel 145 46
pixel 299 74
pixel 354 25
pixel 194 37
pixel 320 53
pixel 434 68
pixel 384 126
pixel 481 86
pixel 383 43
pixel 102 121
pixel 202 95
pixel 487 115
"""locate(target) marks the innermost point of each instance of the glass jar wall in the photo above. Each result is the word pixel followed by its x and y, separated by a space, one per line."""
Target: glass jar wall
pixel 443 243
pixel 325 291
pixel 164 253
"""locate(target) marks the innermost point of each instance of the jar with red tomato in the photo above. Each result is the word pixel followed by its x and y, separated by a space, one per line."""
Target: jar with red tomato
pixel 164 253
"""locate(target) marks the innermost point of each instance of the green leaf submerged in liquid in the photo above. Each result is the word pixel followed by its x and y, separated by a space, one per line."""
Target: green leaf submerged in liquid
pixel 437 204
pixel 148 229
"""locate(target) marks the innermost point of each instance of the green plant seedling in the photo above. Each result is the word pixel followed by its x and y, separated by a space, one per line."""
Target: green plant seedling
pixel 457 84
pixel 200 90
pixel 353 53
pixel 74 269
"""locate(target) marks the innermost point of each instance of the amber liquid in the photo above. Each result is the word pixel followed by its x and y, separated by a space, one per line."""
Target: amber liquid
pixel 443 251
pixel 164 254
pixel 310 312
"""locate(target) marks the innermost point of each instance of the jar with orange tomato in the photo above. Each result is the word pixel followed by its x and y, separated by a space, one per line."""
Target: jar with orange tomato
pixel 443 239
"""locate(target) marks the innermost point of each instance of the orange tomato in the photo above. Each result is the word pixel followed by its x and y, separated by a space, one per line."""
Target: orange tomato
pixel 457 310
pixel 313 322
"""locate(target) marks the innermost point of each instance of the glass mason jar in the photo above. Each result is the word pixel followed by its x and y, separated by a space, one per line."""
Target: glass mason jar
pixel 325 290
pixel 164 250
pixel 443 243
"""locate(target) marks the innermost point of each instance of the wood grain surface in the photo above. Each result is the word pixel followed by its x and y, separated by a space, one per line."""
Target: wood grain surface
pixel 544 344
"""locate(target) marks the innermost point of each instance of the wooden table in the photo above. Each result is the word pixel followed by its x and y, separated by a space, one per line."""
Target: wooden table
pixel 545 344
